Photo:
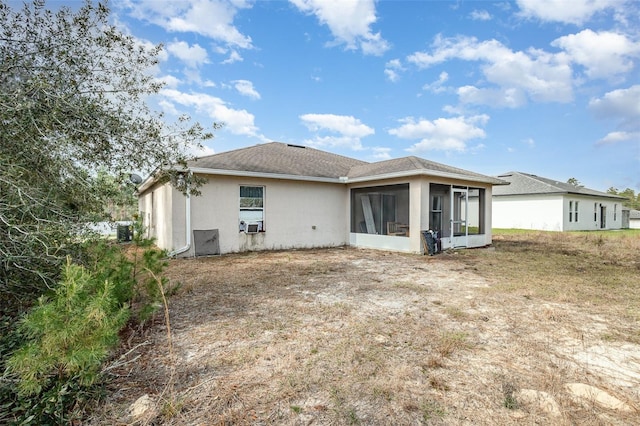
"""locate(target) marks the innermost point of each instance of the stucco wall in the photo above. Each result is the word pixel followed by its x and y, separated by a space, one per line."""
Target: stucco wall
pixel 542 212
pixel 590 213
pixel 551 212
pixel 155 206
pixel 296 214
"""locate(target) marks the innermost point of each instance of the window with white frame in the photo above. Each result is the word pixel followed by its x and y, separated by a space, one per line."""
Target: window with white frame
pixel 252 208
pixel 595 212
pixel 615 212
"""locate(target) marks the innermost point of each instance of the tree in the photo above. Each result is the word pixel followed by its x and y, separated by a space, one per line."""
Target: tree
pixel 573 181
pixel 72 101
pixel 632 200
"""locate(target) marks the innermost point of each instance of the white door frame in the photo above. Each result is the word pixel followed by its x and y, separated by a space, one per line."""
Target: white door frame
pixel 459 217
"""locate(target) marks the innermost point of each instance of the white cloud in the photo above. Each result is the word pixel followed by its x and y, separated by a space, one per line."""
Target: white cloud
pixel 234 56
pixel 349 130
pixel 445 134
pixel 571 12
pixel 381 153
pixel 391 70
pixel 502 97
pixel 480 15
pixel 193 56
pixel 438 85
pixel 618 137
pixel 169 81
pixel 623 107
pixel 245 87
pixel 349 22
pixel 603 54
pixel 211 18
pixel 239 122
pixel 542 76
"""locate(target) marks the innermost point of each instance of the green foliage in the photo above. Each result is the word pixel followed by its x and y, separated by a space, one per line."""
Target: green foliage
pixel 69 334
pixel 75 123
pixel 53 360
pixel 632 200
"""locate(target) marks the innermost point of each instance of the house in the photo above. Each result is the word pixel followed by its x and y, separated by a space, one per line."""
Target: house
pixel 281 196
pixel 534 202
pixel 634 219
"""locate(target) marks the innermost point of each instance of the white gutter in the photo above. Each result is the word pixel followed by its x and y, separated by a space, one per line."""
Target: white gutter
pixel 187 227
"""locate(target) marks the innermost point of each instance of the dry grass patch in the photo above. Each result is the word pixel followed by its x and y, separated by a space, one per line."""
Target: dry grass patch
pixel 346 336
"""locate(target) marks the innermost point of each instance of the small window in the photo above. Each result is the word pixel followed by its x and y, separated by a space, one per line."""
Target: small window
pixel 595 212
pixel 570 211
pixel 575 211
pixel 615 212
pixel 252 209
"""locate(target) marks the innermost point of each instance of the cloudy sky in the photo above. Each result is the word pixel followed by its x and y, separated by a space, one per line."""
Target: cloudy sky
pixel 549 87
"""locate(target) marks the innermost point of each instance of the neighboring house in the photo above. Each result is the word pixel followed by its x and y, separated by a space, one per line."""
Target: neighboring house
pixel 634 219
pixel 279 196
pixel 534 202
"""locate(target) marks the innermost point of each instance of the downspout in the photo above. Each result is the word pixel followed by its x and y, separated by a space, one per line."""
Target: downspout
pixel 187 226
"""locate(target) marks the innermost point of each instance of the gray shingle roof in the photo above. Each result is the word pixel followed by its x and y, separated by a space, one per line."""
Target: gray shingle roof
pixel 280 158
pixel 417 165
pixel 293 160
pixel 527 184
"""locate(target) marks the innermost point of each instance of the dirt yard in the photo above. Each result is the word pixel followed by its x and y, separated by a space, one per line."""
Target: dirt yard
pixel 350 336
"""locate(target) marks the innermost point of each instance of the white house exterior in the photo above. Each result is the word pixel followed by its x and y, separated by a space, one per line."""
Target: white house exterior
pixel 634 219
pixel 277 196
pixel 533 202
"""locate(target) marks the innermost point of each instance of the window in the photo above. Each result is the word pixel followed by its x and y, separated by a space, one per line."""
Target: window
pixel 573 211
pixel 570 211
pixel 595 212
pixel 252 208
pixel 435 221
pixel 381 210
pixel 615 212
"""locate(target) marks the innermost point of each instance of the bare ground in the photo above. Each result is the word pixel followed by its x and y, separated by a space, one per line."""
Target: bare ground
pixel 351 336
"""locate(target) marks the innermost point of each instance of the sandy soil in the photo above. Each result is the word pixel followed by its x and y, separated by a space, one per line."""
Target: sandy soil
pixel 350 336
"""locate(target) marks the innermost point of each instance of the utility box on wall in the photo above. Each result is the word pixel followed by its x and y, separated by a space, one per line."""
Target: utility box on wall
pixel 124 233
pixel 207 242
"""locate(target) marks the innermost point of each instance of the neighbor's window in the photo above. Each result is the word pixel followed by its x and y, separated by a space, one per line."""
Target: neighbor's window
pixel 615 212
pixel 570 211
pixel 573 211
pixel 252 207
pixel 595 212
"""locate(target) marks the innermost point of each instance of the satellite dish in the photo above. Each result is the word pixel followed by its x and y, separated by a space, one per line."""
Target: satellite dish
pixel 135 179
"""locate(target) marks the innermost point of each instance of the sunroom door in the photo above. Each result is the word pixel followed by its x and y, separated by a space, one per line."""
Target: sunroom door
pixel 459 208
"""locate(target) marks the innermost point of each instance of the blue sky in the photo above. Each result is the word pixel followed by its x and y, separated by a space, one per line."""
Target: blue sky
pixel 549 87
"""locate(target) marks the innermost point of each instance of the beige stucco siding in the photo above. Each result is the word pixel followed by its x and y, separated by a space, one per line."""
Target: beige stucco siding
pixel 296 214
pixel 155 207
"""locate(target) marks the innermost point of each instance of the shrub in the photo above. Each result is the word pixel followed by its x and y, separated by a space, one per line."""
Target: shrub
pixel 59 347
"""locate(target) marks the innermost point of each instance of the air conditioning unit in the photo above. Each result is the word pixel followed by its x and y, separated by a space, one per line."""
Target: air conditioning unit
pixel 252 228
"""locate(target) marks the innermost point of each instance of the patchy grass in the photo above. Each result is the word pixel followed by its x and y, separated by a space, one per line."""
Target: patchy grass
pixel 348 337
pixel 597 270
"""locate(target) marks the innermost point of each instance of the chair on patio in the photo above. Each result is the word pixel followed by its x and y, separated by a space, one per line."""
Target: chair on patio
pixel 397 229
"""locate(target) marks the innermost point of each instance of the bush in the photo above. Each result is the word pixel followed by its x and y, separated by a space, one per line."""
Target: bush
pixel 59 347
